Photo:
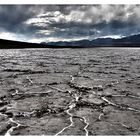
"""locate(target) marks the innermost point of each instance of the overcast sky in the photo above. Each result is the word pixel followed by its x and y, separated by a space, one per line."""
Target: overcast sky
pixel 37 23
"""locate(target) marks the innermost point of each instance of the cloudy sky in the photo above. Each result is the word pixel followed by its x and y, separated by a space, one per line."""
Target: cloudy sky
pixel 38 23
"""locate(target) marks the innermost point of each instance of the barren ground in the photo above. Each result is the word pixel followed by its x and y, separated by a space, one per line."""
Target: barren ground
pixel 70 92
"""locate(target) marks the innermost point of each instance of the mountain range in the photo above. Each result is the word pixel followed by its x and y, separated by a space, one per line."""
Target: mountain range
pixel 130 41
pixel 133 40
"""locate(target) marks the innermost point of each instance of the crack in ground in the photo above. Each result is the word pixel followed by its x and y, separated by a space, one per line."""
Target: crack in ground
pixel 18 96
pixel 87 124
pixel 29 79
pixel 99 118
pixel 71 120
pixel 119 106
pixel 8 133
pixel 59 90
pixel 130 128
pixel 125 95
pixel 71 106
pixel 11 129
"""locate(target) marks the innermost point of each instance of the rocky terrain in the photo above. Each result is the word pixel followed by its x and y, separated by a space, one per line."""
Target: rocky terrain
pixel 70 92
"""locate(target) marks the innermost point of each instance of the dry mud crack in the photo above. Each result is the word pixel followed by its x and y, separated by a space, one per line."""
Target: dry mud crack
pixel 70 92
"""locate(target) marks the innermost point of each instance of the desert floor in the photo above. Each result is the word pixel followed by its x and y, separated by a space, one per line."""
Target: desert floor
pixel 70 92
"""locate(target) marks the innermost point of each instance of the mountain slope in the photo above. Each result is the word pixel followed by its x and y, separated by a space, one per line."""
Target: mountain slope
pixel 9 44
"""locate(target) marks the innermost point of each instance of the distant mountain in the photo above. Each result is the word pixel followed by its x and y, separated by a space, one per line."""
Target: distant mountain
pixel 130 41
pixel 133 40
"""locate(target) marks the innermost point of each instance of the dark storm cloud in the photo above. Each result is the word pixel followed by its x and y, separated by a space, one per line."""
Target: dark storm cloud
pixel 69 21
pixel 11 17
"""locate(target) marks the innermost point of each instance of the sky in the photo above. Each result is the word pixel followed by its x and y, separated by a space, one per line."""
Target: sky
pixel 52 23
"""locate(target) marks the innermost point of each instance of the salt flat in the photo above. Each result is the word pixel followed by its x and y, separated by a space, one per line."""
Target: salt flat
pixel 70 91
